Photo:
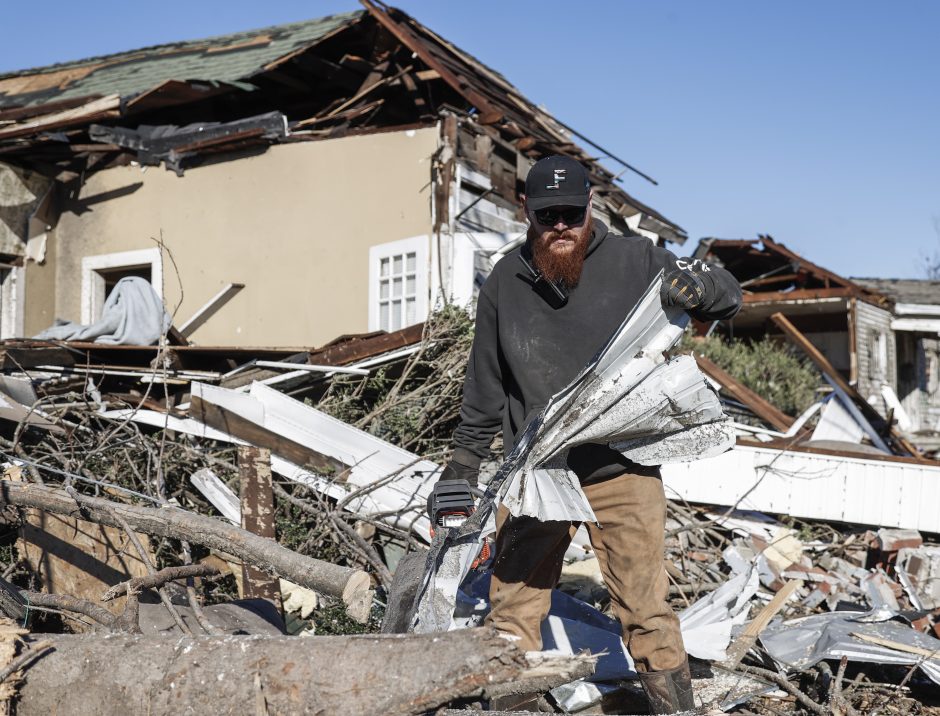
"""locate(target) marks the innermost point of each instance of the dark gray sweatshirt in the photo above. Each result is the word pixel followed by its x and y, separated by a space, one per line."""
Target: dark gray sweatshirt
pixel 527 347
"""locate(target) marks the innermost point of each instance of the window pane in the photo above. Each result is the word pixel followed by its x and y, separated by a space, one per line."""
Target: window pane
pixel 383 317
pixel 410 262
pixel 396 266
pixel 410 306
pixel 396 315
pixel 410 286
pixel 383 288
pixel 396 287
pixel 383 267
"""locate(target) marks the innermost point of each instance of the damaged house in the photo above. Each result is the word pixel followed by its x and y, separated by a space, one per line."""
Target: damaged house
pixel 357 163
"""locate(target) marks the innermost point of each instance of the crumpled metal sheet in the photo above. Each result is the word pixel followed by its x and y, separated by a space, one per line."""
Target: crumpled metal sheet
pixel 801 643
pixel 706 625
pixel 652 410
pixel 675 415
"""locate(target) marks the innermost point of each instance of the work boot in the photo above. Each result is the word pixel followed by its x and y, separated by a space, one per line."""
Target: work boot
pixel 669 691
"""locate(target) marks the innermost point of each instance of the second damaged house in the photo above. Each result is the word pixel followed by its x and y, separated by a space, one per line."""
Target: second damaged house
pixel 325 177
pixel 847 457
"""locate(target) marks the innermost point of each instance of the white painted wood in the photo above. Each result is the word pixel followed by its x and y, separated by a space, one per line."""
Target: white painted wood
pixel 218 493
pixel 210 309
pixel 881 493
pixel 310 368
pixel 916 309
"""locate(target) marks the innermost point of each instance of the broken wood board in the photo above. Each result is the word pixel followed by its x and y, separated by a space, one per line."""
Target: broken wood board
pixel 79 558
pixel 257 517
pixel 233 423
pixel 766 411
pixel 748 638
pixel 842 384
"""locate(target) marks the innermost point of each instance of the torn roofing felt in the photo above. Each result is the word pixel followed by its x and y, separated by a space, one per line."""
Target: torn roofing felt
pixel 651 409
pixel 359 72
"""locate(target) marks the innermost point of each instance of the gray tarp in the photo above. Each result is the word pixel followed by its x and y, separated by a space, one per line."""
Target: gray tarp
pixel 133 315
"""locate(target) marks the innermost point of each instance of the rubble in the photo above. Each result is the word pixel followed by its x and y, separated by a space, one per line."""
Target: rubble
pixel 160 441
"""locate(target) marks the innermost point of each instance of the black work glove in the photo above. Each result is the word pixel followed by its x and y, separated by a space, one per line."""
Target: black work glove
pixel 464 465
pixel 686 286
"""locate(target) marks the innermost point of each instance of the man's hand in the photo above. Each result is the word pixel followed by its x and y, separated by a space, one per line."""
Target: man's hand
pixel 685 286
pixel 458 471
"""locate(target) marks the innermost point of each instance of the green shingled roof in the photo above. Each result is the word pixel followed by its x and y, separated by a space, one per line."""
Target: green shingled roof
pixel 227 58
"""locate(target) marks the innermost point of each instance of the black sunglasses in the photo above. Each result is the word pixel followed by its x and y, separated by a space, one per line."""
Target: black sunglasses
pixel 569 215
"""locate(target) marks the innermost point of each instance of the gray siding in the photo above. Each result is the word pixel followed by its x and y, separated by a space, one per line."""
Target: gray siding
pixel 877 353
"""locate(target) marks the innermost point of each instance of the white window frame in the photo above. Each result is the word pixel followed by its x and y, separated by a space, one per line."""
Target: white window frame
pixel 418 245
pixel 12 282
pixel 93 286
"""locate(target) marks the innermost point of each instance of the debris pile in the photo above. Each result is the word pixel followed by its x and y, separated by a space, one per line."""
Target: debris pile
pixel 187 499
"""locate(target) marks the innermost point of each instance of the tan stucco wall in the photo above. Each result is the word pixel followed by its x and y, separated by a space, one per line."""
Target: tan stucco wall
pixel 294 224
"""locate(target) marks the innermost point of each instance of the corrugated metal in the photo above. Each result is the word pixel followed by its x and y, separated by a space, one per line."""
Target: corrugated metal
pixel 870 322
pixel 825 487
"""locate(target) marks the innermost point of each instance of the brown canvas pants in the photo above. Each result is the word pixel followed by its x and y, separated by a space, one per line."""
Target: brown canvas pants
pixel 629 545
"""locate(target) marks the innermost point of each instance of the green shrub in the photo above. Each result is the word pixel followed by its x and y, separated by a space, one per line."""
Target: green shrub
pixel 766 366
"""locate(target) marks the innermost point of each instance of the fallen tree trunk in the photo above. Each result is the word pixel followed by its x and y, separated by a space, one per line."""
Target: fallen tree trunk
pixel 353 586
pixel 368 674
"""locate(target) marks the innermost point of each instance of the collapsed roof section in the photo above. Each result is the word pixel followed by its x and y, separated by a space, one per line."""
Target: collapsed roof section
pixel 364 71
pixel 773 277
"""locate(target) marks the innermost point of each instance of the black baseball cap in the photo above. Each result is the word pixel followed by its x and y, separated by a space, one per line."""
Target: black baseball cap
pixel 557 181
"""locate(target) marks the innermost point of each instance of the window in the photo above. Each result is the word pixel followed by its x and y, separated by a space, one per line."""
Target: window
pixel 100 274
pixel 398 284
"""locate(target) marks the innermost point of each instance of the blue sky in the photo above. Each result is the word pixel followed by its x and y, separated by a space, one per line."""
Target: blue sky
pixel 815 122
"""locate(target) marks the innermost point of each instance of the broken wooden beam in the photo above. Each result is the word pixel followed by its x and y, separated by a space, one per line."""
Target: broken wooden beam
pixel 815 355
pixel 229 422
pixel 766 411
pixel 257 517
pixel 353 586
pixel 365 674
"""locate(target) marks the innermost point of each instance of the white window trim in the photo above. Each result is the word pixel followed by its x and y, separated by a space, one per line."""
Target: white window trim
pixel 12 289
pixel 93 282
pixel 417 245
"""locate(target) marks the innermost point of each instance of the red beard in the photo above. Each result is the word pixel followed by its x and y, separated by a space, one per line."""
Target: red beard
pixel 561 264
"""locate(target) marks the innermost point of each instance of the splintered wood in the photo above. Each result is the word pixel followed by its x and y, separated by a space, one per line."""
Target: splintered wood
pixel 257 503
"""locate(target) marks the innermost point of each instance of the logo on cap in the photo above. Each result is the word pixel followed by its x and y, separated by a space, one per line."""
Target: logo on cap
pixel 559 176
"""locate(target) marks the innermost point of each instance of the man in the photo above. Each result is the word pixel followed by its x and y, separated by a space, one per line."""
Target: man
pixel 542 314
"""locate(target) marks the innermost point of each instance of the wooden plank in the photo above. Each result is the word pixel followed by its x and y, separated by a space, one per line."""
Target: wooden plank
pixel 30 355
pixel 96 109
pixel 826 367
pixel 242 428
pixel 357 350
pixel 257 517
pixel 898 646
pixel 35 110
pixel 788 445
pixel 748 638
pixel 763 409
pixel 803 294
pixel 210 308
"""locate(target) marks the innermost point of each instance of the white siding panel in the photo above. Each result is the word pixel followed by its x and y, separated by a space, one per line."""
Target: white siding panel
pixel 826 487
